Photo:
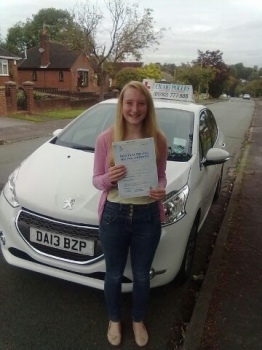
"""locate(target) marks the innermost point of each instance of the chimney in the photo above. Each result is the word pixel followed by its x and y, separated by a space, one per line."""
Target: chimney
pixel 44 49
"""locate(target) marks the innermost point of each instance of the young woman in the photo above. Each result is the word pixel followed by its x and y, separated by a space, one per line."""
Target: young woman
pixel 129 224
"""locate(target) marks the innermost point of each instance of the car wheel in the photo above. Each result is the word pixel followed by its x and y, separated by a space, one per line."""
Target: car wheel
pixel 187 262
pixel 218 188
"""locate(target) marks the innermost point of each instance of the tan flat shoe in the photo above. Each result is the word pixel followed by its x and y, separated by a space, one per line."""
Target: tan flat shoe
pixel 114 333
pixel 140 332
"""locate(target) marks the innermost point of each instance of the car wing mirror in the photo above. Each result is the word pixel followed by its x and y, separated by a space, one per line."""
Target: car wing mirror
pixel 216 156
pixel 57 132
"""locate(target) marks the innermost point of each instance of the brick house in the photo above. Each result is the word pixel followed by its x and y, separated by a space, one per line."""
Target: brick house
pixel 8 67
pixel 52 65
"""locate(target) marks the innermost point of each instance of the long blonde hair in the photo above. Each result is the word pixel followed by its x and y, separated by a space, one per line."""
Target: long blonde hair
pixel 150 126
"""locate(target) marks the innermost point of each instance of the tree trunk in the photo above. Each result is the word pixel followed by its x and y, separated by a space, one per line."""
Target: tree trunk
pixel 102 87
pixel 102 81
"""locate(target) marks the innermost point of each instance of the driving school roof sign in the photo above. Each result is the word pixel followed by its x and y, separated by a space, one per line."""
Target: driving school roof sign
pixel 173 92
pixel 170 91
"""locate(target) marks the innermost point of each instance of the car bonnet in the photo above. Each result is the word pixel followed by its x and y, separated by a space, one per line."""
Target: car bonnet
pixel 56 181
pixel 177 174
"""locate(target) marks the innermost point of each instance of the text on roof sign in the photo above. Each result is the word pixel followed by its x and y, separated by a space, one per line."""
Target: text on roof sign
pixel 173 92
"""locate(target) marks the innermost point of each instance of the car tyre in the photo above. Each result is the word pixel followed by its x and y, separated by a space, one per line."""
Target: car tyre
pixel 188 258
pixel 219 185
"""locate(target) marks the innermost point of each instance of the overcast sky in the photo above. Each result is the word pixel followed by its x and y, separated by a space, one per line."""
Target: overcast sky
pixel 232 26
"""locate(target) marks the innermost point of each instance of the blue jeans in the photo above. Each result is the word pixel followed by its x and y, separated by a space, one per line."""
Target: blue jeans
pixel 125 227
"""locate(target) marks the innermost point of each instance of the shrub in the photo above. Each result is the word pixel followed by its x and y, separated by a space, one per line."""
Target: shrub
pixel 21 99
pixel 126 75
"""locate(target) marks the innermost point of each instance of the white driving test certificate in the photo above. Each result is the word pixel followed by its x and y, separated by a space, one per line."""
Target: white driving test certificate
pixel 139 157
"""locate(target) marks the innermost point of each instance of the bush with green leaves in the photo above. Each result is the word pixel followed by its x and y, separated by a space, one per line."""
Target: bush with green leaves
pixel 125 75
pixel 39 96
pixel 21 99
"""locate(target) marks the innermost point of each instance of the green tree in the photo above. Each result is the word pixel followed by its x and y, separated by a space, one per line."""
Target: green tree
pixel 254 88
pixel 230 85
pixel 125 75
pixel 188 74
pixel 195 75
pixel 3 44
pixel 238 90
pixel 15 42
pixel 150 71
pixel 245 73
pixel 233 71
pixel 242 71
pixel 240 79
pixel 239 67
pixel 59 24
pixel 213 59
pixel 169 68
pixel 121 33
pixel 253 76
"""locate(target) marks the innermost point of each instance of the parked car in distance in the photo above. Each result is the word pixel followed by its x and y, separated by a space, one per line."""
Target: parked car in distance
pixel 246 97
pixel 48 207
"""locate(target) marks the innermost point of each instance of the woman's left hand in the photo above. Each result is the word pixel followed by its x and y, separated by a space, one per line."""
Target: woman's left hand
pixel 158 193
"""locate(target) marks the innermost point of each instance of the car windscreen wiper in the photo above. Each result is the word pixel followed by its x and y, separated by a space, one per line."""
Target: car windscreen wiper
pixel 84 148
pixel 179 157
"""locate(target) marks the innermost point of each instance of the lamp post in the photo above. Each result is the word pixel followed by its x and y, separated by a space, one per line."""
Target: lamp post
pixel 200 78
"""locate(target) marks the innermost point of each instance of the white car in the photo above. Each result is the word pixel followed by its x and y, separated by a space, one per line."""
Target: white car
pixel 246 97
pixel 48 207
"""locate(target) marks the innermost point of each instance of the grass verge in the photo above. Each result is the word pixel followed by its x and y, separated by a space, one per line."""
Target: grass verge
pixel 43 117
pixel 62 114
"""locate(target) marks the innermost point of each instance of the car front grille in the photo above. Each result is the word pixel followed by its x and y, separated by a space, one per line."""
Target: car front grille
pixel 27 219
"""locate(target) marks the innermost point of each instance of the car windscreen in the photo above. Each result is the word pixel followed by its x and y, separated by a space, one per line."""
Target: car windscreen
pixel 176 124
pixel 83 132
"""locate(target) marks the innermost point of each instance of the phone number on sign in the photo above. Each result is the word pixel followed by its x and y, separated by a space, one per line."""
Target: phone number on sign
pixel 170 95
pixel 177 95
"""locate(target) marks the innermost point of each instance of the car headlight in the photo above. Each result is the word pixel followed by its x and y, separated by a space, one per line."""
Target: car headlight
pixel 175 205
pixel 9 189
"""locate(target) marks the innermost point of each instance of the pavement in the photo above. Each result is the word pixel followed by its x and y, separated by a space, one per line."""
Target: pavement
pixel 13 130
pixel 228 311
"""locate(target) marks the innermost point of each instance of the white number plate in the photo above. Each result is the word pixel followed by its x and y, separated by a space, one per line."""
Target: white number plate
pixel 55 240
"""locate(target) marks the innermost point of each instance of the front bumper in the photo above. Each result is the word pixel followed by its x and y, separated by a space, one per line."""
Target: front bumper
pixel 18 252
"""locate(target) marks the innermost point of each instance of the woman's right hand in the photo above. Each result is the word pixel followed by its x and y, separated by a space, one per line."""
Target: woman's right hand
pixel 116 172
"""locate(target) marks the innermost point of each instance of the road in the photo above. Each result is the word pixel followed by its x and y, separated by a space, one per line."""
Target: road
pixel 12 154
pixel 38 312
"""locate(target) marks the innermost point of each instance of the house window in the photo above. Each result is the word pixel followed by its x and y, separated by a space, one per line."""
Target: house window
pixel 34 75
pixel 61 75
pixel 3 67
pixel 82 77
